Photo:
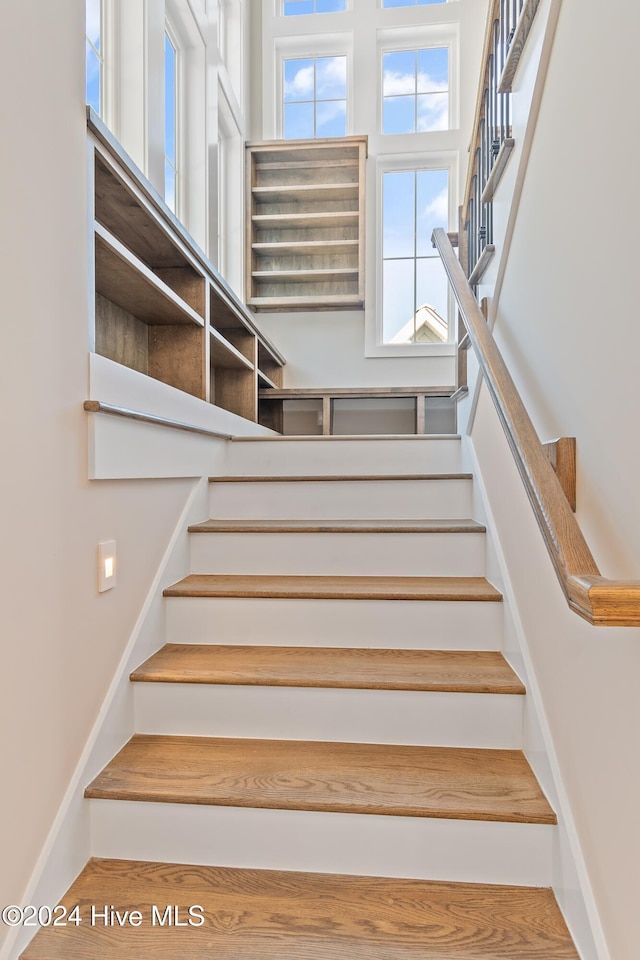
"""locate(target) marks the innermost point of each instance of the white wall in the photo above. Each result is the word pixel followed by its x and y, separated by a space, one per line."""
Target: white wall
pixel 340 348
pixel 566 323
pixel 60 639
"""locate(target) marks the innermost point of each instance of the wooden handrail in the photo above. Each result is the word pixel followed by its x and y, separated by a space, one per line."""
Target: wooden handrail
pixel 601 601
pixel 96 406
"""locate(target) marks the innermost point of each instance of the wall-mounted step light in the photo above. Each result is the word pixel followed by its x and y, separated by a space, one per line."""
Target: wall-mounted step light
pixel 106 565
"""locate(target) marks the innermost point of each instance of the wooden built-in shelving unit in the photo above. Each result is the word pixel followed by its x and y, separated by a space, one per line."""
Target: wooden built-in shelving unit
pixel 161 307
pixel 305 224
pixel 431 406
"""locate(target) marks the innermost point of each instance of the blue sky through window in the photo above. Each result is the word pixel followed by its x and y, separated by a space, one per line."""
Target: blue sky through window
pixel 315 97
pixel 93 54
pixel 414 202
pixel 170 90
pixel 415 90
pixel 295 8
pixel 409 3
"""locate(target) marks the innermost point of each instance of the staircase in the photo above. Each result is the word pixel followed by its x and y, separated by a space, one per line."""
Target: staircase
pixel 327 756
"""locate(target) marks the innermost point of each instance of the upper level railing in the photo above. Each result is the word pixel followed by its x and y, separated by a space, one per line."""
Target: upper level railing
pixel 508 25
pixel 600 601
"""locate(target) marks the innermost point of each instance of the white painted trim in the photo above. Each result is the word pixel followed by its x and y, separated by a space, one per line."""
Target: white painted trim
pixel 387 163
pixel 581 908
pixel 68 845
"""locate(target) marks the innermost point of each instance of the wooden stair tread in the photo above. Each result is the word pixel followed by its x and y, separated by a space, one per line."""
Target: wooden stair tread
pixel 264 915
pixel 337 526
pixel 334 588
pixel 368 669
pixel 332 478
pixel 444 782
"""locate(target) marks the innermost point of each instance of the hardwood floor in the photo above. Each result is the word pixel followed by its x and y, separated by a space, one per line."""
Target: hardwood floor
pixel 350 668
pixel 264 915
pixel 340 588
pixel 320 478
pixel 337 526
pixel 441 782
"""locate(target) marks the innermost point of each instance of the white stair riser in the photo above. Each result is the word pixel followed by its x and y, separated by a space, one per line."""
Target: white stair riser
pixel 321 457
pixel 342 500
pixel 336 554
pixel 356 844
pixel 493 721
pixel 403 624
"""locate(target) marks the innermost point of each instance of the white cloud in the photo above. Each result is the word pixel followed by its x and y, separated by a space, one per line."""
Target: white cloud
pixel 398 84
pixel 438 210
pixel 433 112
pixel 331 77
pixel 93 20
pixel 330 109
pixel 300 87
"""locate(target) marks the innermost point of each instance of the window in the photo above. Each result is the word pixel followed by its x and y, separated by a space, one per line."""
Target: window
pixel 415 90
pixel 296 8
pixel 94 54
pixel 414 285
pixel 315 97
pixel 170 123
pixel 409 3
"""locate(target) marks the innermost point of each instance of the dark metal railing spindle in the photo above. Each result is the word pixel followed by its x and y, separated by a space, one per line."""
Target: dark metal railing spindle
pixel 493 128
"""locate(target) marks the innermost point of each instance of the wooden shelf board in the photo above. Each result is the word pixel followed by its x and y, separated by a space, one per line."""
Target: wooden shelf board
pixel 367 778
pixel 225 356
pixel 291 221
pixel 302 276
pixel 270 915
pixel 121 211
pixel 293 393
pixel 263 378
pixel 332 667
pixel 304 192
pixel 287 304
pixel 125 280
pixel 304 164
pixel 306 246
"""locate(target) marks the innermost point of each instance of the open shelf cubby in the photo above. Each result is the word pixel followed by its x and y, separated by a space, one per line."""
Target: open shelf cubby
pixel 305 224
pixel 161 307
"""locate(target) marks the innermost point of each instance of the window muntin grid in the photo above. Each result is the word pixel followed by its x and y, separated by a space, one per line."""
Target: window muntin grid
pixel 415 294
pixel 415 90
pixel 314 97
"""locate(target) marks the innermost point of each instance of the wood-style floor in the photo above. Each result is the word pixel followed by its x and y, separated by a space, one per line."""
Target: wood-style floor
pixel 337 526
pixel 269 915
pixel 335 588
pixel 450 671
pixel 413 781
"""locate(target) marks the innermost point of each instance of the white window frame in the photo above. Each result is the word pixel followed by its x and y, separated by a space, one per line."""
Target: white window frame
pixel 307 47
pixel 437 35
pixel 436 160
